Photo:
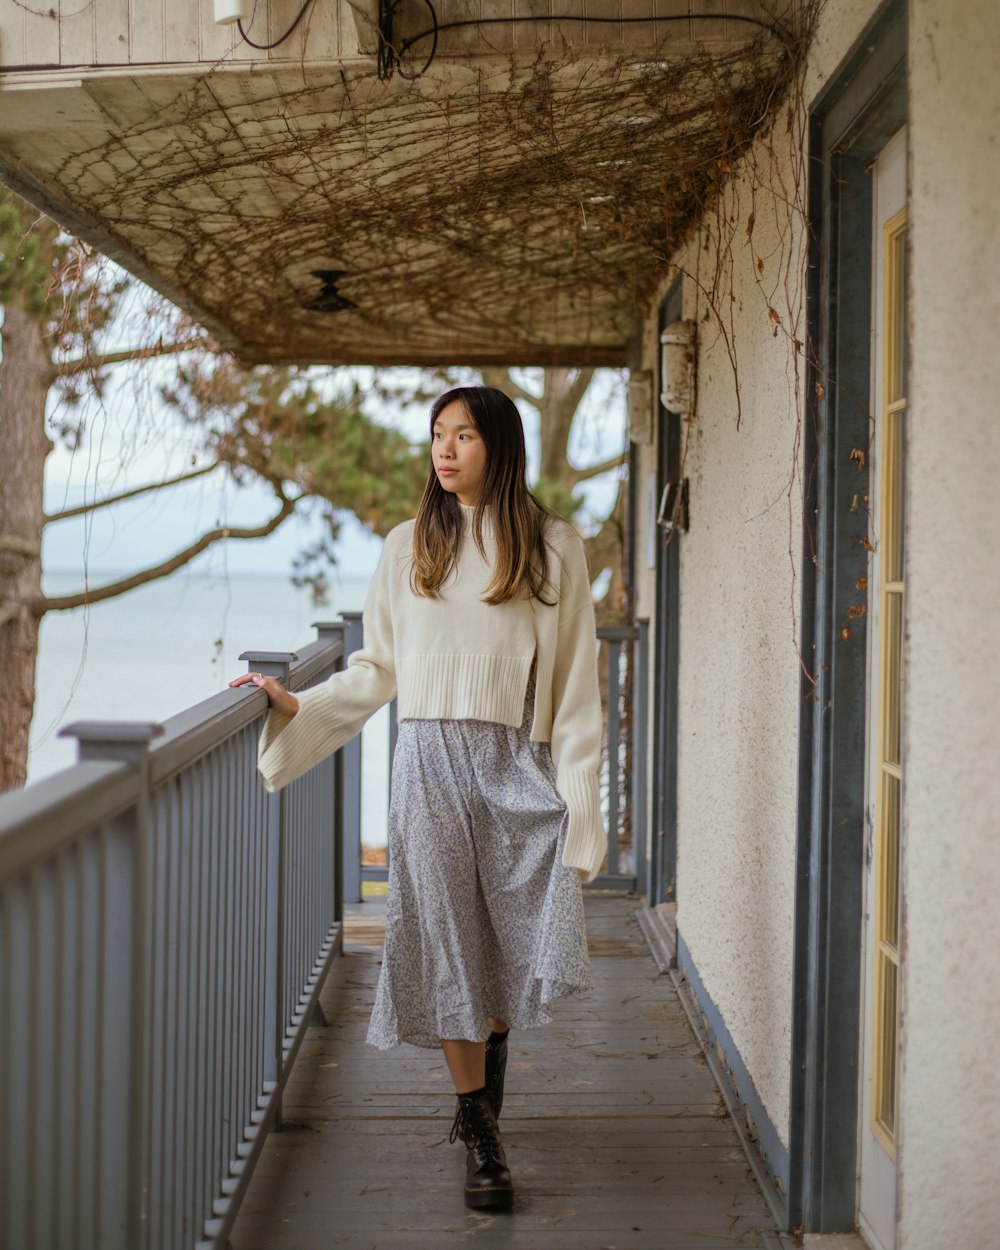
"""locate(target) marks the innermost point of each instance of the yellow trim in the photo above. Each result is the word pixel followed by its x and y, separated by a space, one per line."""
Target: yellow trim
pixel 885 1068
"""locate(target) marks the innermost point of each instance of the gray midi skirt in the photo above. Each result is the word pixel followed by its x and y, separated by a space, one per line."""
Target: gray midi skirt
pixel 482 918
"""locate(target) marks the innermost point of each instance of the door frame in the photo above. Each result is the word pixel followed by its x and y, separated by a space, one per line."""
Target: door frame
pixel 663 857
pixel 864 104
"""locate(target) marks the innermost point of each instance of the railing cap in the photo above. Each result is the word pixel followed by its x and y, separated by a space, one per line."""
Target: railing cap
pixel 270 657
pixel 111 730
pixel 125 740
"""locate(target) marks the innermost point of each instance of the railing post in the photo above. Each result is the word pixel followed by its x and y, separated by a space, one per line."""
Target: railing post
pixel 614 746
pixel 274 664
pixel 640 743
pixel 334 631
pixel 123 1170
pixel 351 780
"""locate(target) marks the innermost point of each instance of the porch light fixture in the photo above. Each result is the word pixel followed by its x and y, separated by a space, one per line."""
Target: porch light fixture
pixel 673 510
pixel 640 406
pixel 229 11
pixel 329 299
pixel 677 352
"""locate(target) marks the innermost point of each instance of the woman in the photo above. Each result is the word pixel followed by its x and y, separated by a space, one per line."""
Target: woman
pixel 480 619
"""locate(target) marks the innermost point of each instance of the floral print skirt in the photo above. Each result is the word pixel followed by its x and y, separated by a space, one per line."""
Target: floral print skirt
pixel 482 918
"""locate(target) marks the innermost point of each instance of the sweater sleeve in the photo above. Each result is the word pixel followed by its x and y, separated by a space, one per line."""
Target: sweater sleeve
pixel 577 721
pixel 331 713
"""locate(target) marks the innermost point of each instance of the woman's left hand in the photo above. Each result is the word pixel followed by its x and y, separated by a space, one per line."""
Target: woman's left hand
pixel 278 696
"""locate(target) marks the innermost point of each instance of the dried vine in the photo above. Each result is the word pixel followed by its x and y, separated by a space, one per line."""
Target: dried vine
pixel 761 208
pixel 555 187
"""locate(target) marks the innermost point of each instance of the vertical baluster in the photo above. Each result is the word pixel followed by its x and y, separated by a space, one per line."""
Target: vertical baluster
pixel 222 1128
pixel 188 785
pixel 65 1023
pixel 234 813
pixel 351 780
pixel 16 1091
pixel 121 953
pixel 40 1029
pixel 335 631
pixel 245 1094
pixel 253 803
pixel 199 908
pixel 640 741
pixel 7 1231
pixel 614 674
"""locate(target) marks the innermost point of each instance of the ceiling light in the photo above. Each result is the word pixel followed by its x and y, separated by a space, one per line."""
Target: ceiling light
pixel 329 299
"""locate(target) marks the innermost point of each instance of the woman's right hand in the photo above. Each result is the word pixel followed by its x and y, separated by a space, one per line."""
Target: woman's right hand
pixel 279 697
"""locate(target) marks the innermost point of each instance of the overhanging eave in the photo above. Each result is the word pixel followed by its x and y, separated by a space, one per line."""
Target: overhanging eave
pixel 516 209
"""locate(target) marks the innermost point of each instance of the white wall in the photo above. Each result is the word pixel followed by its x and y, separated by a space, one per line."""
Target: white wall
pixel 950 1095
pixel 740 669
pixel 140 32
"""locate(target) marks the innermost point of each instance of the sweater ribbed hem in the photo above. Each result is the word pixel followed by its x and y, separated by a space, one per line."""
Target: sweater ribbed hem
pixel 463 687
pixel 586 837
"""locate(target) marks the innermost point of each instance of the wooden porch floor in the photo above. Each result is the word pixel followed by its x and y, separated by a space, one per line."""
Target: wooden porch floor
pixel 615 1132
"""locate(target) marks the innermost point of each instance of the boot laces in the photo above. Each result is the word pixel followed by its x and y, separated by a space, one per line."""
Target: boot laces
pixel 476 1128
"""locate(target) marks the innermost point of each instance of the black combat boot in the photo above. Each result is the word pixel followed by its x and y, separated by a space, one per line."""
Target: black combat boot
pixel 487 1180
pixel 496 1066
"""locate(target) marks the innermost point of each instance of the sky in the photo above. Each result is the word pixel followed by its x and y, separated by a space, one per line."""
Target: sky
pixel 132 439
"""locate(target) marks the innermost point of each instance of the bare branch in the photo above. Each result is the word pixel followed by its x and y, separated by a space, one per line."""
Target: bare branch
pixel 129 494
pixel 45 604
pixel 577 388
pixel 501 379
pixel 595 470
pixel 90 364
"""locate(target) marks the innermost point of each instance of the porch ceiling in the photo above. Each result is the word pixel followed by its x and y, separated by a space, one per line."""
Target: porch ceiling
pixel 515 208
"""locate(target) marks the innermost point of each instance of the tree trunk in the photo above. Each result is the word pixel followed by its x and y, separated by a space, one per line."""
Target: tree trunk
pixel 25 373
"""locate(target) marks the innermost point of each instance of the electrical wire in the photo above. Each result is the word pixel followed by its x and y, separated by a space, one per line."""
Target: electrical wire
pixel 266 47
pixel 390 58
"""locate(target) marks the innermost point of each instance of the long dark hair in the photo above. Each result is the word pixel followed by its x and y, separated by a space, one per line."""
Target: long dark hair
pixel 517 517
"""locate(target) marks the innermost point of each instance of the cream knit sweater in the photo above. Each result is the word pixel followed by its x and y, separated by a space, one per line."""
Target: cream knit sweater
pixel 457 657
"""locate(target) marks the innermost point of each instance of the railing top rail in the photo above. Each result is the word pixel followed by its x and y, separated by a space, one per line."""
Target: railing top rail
pixel 190 734
pixel 36 821
pixel 49 813
pixel 617 633
pixel 312 660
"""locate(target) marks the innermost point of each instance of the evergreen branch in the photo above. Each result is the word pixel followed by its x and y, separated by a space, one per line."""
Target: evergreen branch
pixel 85 508
pixel 63 602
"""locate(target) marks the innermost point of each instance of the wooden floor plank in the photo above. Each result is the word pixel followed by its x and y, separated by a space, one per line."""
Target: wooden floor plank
pixel 614 1129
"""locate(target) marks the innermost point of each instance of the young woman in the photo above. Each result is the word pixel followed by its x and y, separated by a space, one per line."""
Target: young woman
pixel 480 619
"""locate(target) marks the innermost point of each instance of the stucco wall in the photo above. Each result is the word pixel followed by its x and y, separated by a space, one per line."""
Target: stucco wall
pixel 740 600
pixel 950 1097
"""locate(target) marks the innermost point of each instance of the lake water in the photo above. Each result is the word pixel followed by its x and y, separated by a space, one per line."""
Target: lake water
pixel 156 650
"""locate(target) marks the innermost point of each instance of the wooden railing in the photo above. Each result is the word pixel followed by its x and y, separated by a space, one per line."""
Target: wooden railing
pixel 165 925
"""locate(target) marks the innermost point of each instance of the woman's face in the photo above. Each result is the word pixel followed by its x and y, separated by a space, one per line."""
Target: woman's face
pixel 458 453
